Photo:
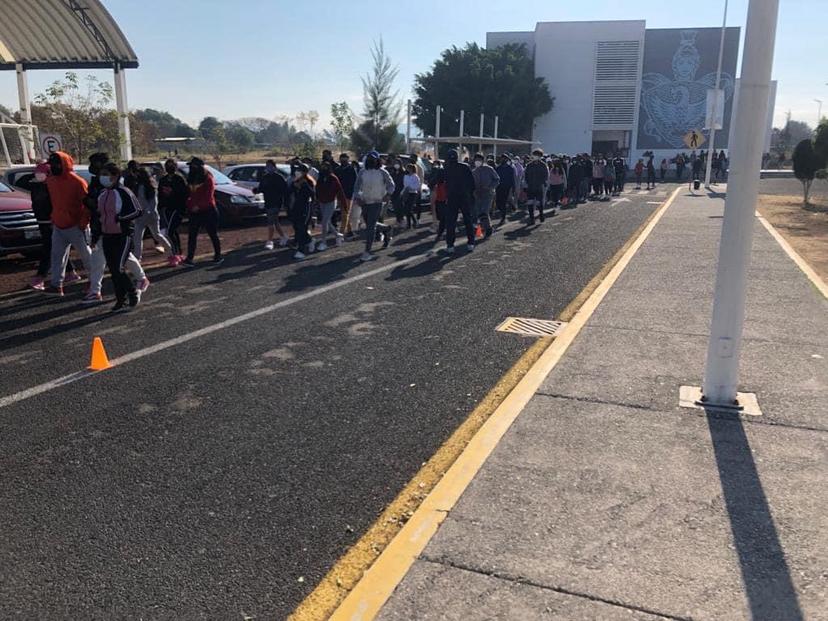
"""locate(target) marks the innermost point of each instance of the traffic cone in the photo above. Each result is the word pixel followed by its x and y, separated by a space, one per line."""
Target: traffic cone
pixel 99 361
pixel 478 232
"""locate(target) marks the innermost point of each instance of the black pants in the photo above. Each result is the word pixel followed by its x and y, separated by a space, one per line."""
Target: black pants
pixel 651 179
pixel 300 216
pixel 502 199
pixel 116 249
pixel 209 220
pixel 173 218
pixel 46 258
pixel 609 185
pixel 663 174
pixel 412 199
pixel 440 208
pixel 455 206
pixel 620 180
pixel 597 185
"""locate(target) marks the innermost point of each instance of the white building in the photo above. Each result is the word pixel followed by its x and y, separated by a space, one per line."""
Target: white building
pixel 619 86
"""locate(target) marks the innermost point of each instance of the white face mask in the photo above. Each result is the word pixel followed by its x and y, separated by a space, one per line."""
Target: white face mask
pixel 397 166
pixel 105 180
pixel 40 176
pixel 298 174
pixel 478 163
pixel 536 157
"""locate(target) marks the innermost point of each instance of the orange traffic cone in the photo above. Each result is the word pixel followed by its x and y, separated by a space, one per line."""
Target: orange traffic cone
pixel 99 361
pixel 478 232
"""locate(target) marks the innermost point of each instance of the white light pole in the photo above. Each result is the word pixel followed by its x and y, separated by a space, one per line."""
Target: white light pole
pixel 462 123
pixel 819 110
pixel 711 149
pixel 721 374
pixel 408 128
pixel 437 135
pixel 494 147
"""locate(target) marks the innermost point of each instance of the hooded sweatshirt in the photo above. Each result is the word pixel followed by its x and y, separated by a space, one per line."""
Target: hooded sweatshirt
pixel 328 189
pixel 67 191
pixel 485 180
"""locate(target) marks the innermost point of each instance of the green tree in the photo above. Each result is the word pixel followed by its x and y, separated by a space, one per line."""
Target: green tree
pixel 166 125
pixel 212 131
pixel 821 142
pixel 80 112
pixel 342 123
pixel 382 106
pixel 806 163
pixel 499 81
pixel 240 138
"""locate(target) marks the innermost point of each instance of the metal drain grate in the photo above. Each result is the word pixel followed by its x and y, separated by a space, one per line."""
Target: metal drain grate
pixel 531 327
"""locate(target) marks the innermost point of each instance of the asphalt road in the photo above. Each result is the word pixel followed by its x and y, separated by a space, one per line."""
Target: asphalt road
pixel 223 476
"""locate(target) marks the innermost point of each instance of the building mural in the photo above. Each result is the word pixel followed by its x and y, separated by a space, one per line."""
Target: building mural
pixel 679 68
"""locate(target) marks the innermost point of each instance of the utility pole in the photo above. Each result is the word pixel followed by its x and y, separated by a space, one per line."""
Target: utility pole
pixel 721 375
pixel 408 128
pixel 819 111
pixel 711 150
pixel 437 135
pixel 462 123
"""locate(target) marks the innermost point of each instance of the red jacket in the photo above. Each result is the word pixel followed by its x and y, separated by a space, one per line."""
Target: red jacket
pixel 202 195
pixel 329 189
pixel 67 191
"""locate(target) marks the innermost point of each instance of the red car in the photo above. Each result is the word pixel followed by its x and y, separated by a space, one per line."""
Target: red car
pixel 18 227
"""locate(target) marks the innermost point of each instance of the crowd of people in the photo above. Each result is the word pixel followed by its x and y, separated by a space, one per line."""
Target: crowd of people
pixel 105 220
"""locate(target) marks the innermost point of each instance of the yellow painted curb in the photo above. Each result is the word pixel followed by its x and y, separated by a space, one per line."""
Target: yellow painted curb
pixel 379 581
pixel 793 254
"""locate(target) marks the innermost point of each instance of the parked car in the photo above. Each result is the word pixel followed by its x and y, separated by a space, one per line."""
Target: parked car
pixel 18 227
pixel 235 203
pixel 249 175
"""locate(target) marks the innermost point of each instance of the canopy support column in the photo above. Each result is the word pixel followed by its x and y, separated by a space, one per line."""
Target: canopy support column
pixel 26 135
pixel 123 114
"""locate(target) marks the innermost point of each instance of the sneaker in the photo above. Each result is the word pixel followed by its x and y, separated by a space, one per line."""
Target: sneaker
pixel 283 242
pixel 134 298
pixel 120 307
pixel 470 247
pixel 269 244
pixel 52 290
pixel 488 233
pixel 187 263
pixel 321 247
pixel 143 284
pixel 299 256
pixel 311 247
pixel 542 216
pixel 37 284
pixel 71 277
pixel 92 298
pixel 173 261
pixel 340 239
pixel 449 249
pixel 218 260
pixel 367 256
pixel 386 240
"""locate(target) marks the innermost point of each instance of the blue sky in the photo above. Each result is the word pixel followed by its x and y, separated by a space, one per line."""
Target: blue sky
pixel 271 57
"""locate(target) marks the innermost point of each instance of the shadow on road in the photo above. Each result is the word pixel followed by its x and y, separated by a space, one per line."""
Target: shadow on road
pixel 765 572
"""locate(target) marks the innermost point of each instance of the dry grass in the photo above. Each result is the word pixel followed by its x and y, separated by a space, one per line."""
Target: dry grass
pixel 806 229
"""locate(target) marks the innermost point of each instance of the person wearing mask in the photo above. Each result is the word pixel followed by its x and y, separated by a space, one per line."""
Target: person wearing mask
pixel 664 166
pixel 202 211
pixel 651 174
pixel 722 169
pixel 459 198
pixel 70 219
pixel 172 202
pixel 327 156
pixel 329 193
pixel 411 195
pixel 639 173
pixel 598 166
pixel 609 180
pixel 274 188
pixel 506 173
pixel 573 181
pixel 147 195
pixel 347 178
pixel 313 172
pixel 586 178
pixel 537 178
pixel 131 176
pixel 557 183
pixel 697 164
pixel 440 197
pixel 520 170
pixel 42 208
pixel 373 187
pixel 397 173
pixel 118 209
pixel 303 189
pixel 486 181
pixel 619 166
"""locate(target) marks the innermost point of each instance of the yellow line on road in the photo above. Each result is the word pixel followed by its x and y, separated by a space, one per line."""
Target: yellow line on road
pixel 795 256
pixel 365 576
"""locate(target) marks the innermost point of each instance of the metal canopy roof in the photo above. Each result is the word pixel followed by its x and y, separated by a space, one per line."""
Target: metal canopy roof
pixel 61 34
pixel 506 142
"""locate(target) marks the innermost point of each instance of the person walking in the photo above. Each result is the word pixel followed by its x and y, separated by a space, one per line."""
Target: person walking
pixel 202 211
pixel 459 193
pixel 537 178
pixel 172 203
pixel 598 166
pixel 42 209
pixel 147 195
pixel 118 208
pixel 397 173
pixel 506 173
pixel 411 196
pixel 303 189
pixel 664 166
pixel 70 219
pixel 374 186
pixel 486 181
pixel 557 183
pixel 329 193
pixel 639 173
pixel 680 162
pixel 347 175
pixel 274 188
pixel 651 174
pixel 619 167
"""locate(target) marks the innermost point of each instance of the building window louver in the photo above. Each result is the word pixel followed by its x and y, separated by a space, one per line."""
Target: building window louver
pixel 616 83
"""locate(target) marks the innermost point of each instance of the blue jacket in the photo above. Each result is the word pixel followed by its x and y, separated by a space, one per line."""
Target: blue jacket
pixel 507 176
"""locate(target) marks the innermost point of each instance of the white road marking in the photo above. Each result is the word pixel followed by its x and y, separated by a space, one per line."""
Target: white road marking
pixel 620 200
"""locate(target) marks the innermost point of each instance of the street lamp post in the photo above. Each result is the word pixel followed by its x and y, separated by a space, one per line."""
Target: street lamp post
pixel 721 374
pixel 711 149
pixel 819 111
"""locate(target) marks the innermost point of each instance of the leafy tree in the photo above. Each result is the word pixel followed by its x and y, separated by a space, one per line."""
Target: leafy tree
pixel 241 138
pixel 212 131
pixel 382 106
pixel 499 81
pixel 342 123
pixel 80 112
pixel 806 163
pixel 821 143
pixel 313 119
pixel 166 124
pixel 792 134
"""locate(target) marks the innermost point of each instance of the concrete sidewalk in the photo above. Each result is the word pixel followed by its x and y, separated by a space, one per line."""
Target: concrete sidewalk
pixel 606 500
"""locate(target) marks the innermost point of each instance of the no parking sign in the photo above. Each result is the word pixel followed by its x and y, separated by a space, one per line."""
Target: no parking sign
pixel 49 143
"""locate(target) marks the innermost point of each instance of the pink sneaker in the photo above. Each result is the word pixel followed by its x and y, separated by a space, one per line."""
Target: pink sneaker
pixel 71 277
pixel 37 284
pixel 143 285
pixel 173 261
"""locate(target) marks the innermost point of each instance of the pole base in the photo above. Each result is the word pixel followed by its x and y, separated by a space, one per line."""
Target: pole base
pixel 746 402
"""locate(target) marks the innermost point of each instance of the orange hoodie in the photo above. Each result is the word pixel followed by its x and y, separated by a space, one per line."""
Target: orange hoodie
pixel 67 192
